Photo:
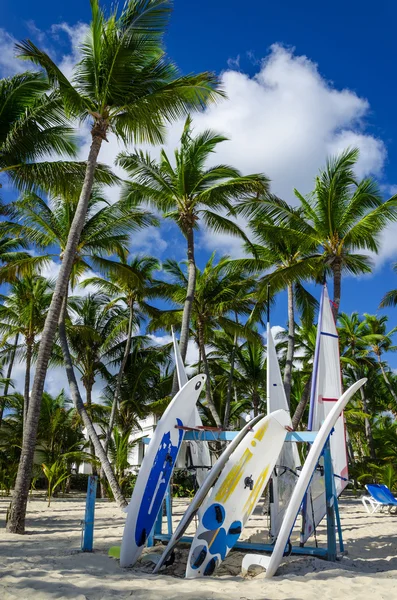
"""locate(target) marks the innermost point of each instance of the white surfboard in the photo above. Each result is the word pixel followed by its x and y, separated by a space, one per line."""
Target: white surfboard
pixel 236 493
pixel 271 563
pixel 285 474
pixel 202 492
pixel 200 455
pixel 325 392
pixel 156 470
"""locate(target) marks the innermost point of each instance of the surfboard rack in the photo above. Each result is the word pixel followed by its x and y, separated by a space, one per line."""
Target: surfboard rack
pixel 333 519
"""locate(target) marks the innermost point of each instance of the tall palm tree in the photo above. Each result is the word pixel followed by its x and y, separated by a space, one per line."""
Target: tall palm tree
pixel 390 298
pixel 106 230
pixel 380 342
pixel 131 284
pixel 32 125
pixel 341 215
pixel 188 193
pixel 289 257
pixel 221 292
pixel 23 312
pixel 123 84
pixel 354 342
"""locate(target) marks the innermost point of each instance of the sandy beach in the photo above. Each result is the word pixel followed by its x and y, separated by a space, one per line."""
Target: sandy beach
pixel 47 563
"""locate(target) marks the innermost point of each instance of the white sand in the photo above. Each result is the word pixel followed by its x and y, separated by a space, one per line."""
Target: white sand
pixel 46 562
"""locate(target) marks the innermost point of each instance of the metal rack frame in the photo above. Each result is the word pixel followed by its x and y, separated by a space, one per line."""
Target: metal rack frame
pixel 332 515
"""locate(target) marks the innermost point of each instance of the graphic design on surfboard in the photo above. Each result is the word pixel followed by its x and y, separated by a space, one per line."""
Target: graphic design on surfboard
pixel 203 491
pixel 236 493
pixel 156 470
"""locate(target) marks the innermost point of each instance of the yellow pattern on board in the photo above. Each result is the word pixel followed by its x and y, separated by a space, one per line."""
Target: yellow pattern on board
pixel 261 431
pixel 253 497
pixel 234 476
pixel 231 480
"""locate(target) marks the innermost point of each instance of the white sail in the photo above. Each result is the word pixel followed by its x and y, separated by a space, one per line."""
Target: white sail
pixel 284 476
pixel 326 390
pixel 196 454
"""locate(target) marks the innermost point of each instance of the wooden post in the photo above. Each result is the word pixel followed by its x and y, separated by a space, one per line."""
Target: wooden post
pixel 87 540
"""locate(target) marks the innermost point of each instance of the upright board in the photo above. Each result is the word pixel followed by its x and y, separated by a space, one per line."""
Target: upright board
pixel 236 493
pixel 285 475
pixel 199 452
pixel 202 492
pixel 271 563
pixel 156 470
pixel 325 391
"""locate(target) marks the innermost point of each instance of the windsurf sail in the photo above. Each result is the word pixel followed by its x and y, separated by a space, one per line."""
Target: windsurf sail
pixel 285 474
pixel 326 389
pixel 194 454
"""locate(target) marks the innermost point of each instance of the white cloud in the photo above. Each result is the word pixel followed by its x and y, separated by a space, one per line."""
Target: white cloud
pixel 76 34
pixel 284 122
pixel 9 64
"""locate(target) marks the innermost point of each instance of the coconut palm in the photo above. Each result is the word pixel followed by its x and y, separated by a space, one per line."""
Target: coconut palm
pixel 188 193
pixel 22 313
pixel 221 292
pixel 131 284
pixel 380 341
pixel 125 85
pixel 32 125
pixel 289 257
pixel 354 341
pixel 390 298
pixel 341 215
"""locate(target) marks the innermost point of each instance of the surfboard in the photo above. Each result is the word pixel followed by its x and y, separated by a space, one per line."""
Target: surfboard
pixel 156 470
pixel 285 475
pixel 198 453
pixel 271 563
pixel 235 494
pixel 325 391
pixel 202 492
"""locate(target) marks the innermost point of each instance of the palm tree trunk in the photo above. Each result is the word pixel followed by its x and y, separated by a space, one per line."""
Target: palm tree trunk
pixel 117 391
pixel 230 385
pixel 387 382
pixel 29 351
pixel 300 409
pixel 337 271
pixel 120 377
pixel 255 402
pixel 208 395
pixel 188 306
pixel 9 373
pixel 79 404
pixel 17 514
pixel 368 427
pixel 291 343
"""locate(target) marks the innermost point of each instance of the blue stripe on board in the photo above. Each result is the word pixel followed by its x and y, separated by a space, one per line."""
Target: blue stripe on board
pixel 329 334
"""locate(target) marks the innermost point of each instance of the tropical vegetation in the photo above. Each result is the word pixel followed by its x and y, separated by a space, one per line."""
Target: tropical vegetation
pixel 102 321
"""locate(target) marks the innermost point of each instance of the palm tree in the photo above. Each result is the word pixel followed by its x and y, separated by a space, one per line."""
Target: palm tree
pixel 187 193
pixel 32 125
pixel 122 84
pixel 354 341
pixel 289 256
pixel 221 292
pixel 379 343
pixel 390 298
pixel 131 284
pixel 250 378
pixel 338 218
pixel 22 312
pixel 106 230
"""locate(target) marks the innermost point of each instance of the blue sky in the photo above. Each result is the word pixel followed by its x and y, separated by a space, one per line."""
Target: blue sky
pixel 303 80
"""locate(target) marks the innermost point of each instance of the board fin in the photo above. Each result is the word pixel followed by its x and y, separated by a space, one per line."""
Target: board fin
pixel 114 551
pixel 254 559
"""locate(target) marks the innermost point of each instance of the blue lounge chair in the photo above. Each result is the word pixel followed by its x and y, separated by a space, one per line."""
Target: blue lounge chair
pixel 379 498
